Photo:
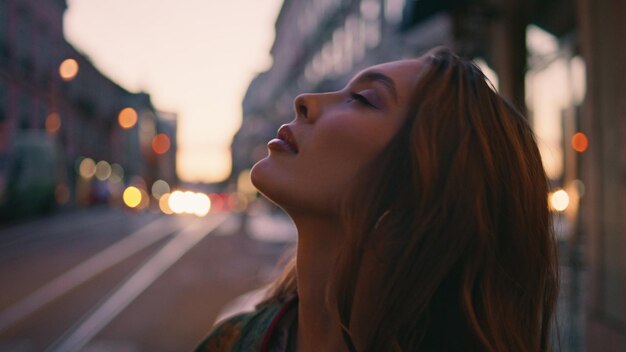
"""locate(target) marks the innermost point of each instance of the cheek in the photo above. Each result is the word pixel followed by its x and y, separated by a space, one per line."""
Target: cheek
pixel 351 144
pixel 337 155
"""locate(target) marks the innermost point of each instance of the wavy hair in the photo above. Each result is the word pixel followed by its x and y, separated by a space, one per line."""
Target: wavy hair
pixel 453 215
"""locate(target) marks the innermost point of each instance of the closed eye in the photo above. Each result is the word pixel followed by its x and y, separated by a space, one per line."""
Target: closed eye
pixel 361 99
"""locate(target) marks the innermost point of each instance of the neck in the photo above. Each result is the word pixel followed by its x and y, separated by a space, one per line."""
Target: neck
pixel 319 240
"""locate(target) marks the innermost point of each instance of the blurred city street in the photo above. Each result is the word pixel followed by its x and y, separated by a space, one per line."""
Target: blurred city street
pixel 106 279
pixel 128 130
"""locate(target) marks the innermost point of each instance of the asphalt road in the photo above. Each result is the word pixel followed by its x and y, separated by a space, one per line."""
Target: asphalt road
pixel 110 280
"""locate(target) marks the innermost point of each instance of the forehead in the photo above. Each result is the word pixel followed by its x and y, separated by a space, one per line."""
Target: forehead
pixel 403 73
pixel 399 66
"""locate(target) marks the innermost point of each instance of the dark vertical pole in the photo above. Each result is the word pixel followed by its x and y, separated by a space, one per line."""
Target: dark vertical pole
pixel 508 48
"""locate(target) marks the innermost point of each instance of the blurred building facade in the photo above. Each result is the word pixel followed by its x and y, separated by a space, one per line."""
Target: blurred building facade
pixel 57 109
pixel 559 61
pixel 602 29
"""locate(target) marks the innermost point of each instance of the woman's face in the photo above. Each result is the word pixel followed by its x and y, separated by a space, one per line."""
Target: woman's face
pixel 313 159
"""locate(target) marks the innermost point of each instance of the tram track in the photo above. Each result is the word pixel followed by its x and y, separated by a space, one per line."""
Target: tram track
pixel 102 286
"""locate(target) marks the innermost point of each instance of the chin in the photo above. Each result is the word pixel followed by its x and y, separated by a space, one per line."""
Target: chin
pixel 272 184
pixel 255 178
pixel 260 172
pixel 264 179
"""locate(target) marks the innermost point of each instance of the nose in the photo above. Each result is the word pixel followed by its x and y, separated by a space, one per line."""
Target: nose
pixel 305 107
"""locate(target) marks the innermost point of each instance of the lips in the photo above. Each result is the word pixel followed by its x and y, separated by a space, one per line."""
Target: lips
pixel 284 140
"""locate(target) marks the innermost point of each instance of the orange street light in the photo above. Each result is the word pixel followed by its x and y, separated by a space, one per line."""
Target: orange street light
pixel 580 143
pixel 127 118
pixel 68 69
pixel 161 143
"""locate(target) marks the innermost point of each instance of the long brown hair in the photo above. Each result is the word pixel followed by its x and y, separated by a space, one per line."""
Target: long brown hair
pixel 455 211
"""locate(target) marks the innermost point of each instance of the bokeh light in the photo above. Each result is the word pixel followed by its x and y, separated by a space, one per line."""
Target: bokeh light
pixel 53 123
pixel 87 168
pixel 117 173
pixel 68 69
pixel 159 188
pixel 127 118
pixel 217 202
pixel 559 200
pixel 187 202
pixel 176 202
pixel 161 143
pixel 202 204
pixel 103 170
pixel 164 204
pixel 132 196
pixel 580 143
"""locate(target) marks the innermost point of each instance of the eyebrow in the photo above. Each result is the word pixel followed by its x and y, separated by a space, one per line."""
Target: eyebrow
pixel 375 76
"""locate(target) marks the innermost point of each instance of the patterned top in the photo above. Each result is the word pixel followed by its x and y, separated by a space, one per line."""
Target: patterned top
pixel 270 328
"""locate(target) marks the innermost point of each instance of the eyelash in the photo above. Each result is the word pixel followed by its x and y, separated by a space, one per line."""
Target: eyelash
pixel 361 99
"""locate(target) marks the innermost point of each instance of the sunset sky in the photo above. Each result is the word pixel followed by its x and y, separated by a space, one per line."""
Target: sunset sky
pixel 194 57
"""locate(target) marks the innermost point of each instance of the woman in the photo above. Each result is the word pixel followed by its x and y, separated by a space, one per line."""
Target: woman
pixel 420 202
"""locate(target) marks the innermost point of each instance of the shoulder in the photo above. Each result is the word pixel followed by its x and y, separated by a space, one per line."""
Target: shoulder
pixel 242 332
